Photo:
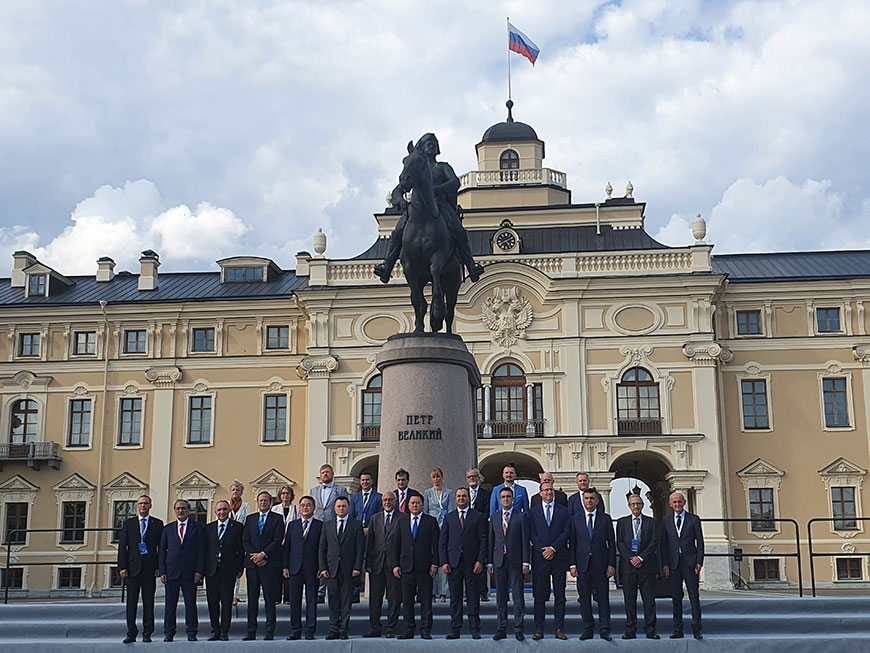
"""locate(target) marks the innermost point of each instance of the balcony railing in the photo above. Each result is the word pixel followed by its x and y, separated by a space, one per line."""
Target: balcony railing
pixel 369 432
pixel 527 176
pixel 34 453
pixel 526 428
pixel 640 427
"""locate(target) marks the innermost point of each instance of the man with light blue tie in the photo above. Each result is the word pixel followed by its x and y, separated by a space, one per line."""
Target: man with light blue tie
pixel 521 497
pixel 261 539
pixel 363 506
pixel 593 562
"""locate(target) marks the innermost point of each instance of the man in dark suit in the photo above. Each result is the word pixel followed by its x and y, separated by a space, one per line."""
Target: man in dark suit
pixel 261 539
pixel 593 562
pixel 182 564
pixel 637 542
pixel 224 562
pixel 462 545
pixel 138 545
pixel 479 502
pixel 550 531
pixel 560 497
pixel 342 549
pixel 575 502
pixel 509 562
pixel 382 528
pixel 683 557
pixel 403 492
pixel 301 563
pixel 414 559
pixel 363 505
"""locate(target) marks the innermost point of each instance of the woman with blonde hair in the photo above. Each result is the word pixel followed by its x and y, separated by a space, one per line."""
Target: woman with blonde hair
pixel 437 502
pixel 288 513
pixel 239 511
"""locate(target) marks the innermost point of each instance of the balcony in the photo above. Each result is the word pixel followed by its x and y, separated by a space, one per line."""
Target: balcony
pixel 524 176
pixel 639 427
pixel 368 432
pixel 526 428
pixel 34 453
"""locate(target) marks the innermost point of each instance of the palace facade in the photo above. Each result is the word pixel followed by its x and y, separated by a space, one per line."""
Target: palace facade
pixel 741 380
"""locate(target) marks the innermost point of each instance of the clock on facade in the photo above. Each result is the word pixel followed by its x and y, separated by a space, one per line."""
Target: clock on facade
pixel 506 240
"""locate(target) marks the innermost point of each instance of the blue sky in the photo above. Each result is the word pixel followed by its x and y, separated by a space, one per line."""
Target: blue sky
pixel 207 129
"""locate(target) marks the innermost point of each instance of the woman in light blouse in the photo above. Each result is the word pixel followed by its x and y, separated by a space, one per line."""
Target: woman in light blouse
pixel 288 513
pixel 437 502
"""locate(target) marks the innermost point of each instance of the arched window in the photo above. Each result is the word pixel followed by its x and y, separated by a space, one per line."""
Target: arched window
pixel 370 426
pixel 515 406
pixel 25 415
pixel 637 397
pixel 509 165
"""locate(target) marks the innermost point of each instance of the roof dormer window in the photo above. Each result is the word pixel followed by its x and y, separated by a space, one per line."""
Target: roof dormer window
pixel 36 284
pixel 242 274
pixel 248 269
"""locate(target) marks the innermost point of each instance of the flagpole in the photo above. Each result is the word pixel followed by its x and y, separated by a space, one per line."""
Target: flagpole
pixel 509 56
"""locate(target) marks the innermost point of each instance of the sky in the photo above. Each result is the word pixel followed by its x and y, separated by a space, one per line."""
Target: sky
pixel 211 129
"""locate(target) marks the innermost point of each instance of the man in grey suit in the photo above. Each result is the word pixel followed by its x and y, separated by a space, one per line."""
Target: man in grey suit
pixel 382 527
pixel 637 543
pixel 342 548
pixel 325 495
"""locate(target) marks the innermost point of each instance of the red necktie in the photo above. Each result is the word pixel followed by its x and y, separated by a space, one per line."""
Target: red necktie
pixel 462 519
pixel 181 533
pixel 402 506
pixel 507 517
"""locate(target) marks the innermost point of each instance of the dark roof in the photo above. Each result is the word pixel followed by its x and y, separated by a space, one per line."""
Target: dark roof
pixel 549 240
pixel 785 266
pixel 172 287
pixel 509 131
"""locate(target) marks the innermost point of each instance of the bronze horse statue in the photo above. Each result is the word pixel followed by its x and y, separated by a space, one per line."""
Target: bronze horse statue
pixel 428 250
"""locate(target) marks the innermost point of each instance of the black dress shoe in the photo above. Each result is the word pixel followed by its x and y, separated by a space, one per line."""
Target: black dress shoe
pixel 561 635
pixel 606 637
pixel 652 636
pixel 373 633
pixel 499 635
pixel 586 636
pixel 225 637
pixel 146 639
pixel 309 636
pixel 343 636
pixel 538 636
pixel 405 636
pixel 484 598
pixel 389 634
pixel 629 636
pixel 519 636
pixel 332 636
pixel 268 638
pixel 129 639
pixel 249 637
pixel 676 635
pixel 191 638
pixel 214 637
pixel 452 636
pixel 294 637
pixel 168 638
pixel 475 635
pixel 697 635
pixel 425 636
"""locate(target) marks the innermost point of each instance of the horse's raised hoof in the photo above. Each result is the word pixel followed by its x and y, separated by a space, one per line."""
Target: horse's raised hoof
pixel 475 272
pixel 381 273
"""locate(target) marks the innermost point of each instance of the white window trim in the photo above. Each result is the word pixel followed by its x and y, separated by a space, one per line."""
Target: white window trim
pixel 763 321
pixel 55 578
pixel 282 350
pixel 276 388
pixel 122 348
pixel 7 415
pixel 125 487
pixel 199 390
pixel 192 341
pixel 864 570
pixel 43 336
pixel 97 343
pixel 753 373
pixel 80 392
pixel 762 475
pixel 845 318
pixel 29 276
pixel 130 392
pixel 834 369
pixel 26 495
pixel 637 357
pixel 843 473
pixel 196 486
pixel 767 583
pixel 79 489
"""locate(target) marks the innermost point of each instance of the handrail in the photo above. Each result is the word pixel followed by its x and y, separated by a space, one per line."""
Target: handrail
pixel 814 555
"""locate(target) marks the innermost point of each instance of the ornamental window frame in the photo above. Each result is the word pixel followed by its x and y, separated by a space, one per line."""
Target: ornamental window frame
pixel 79 394
pixel 834 370
pixel 843 473
pixel 275 389
pixel 124 487
pixel 17 490
pixel 75 343
pixel 74 488
pixel 752 372
pixel 131 392
pixel 757 475
pixel 213 339
pixel 125 351
pixel 199 392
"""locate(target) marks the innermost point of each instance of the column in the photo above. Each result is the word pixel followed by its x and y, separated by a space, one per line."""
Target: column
pixel 487 410
pixel 316 370
pixel 163 379
pixel 530 409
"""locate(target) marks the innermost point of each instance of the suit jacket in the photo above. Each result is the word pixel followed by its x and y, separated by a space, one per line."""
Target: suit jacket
pixel 431 506
pixel 302 555
pixel 379 541
pixel 521 498
pixel 410 492
pixel 691 541
pixel 516 540
pixel 181 560
pixel 342 556
pixel 597 554
pixel 463 545
pixel 412 554
pixel 575 504
pixel 481 501
pixel 229 547
pixel 561 499
pixel 374 507
pixel 648 543
pixel 269 542
pixel 325 512
pixel 556 535
pixel 129 557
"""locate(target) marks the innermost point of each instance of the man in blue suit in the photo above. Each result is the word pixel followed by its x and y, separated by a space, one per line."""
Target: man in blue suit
pixel 261 539
pixel 182 564
pixel 363 506
pixel 301 561
pixel 521 497
pixel 683 557
pixel 550 530
pixel 593 562
pixel 463 556
pixel 509 561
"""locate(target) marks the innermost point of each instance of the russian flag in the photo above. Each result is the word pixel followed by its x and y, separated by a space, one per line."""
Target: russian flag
pixel 522 44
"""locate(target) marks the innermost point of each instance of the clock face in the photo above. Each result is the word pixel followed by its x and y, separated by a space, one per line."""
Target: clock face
pixel 506 240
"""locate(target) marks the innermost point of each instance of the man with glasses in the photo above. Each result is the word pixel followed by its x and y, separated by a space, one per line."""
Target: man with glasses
pixel 479 501
pixel 637 543
pixel 138 543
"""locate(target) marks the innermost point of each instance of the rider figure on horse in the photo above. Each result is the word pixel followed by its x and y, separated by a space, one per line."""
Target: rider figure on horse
pixel 446 184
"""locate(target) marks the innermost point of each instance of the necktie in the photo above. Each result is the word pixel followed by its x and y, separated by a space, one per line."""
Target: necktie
pixel 340 529
pixel 679 523
pixel 637 528
pixel 221 531
pixel 365 501
pixel 414 528
pixel 304 529
pixel 387 524
pixel 181 533
pixel 549 507
pixel 143 526
pixel 473 496
pixel 590 525
pixel 262 522
pixel 462 519
pixel 504 523
pixel 402 502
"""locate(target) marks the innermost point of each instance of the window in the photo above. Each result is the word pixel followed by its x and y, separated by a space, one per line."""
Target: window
pixel 73 522
pixel 36 285
pixel 243 274
pixel 69 578
pixel 836 406
pixel 844 508
pixel 748 323
pixel 115 579
pixel 23 423
pixel 509 412
pixel 849 569
pixel 199 421
pixel 637 398
pixel 86 343
pixel 198 510
pixel 134 341
pixel 131 422
pixel 761 510
pixel 79 423
pixel 277 337
pixel 371 410
pixel 828 320
pixel 121 511
pixel 13 578
pixel 754 404
pixel 275 418
pixel 509 160
pixel 28 344
pixel 203 339
pixel 16 518
pixel 766 569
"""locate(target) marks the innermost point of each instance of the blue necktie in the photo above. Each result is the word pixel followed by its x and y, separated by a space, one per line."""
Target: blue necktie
pixel 589 526
pixel 414 529
pixel 221 533
pixel 262 522
pixel 144 524
pixel 548 514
